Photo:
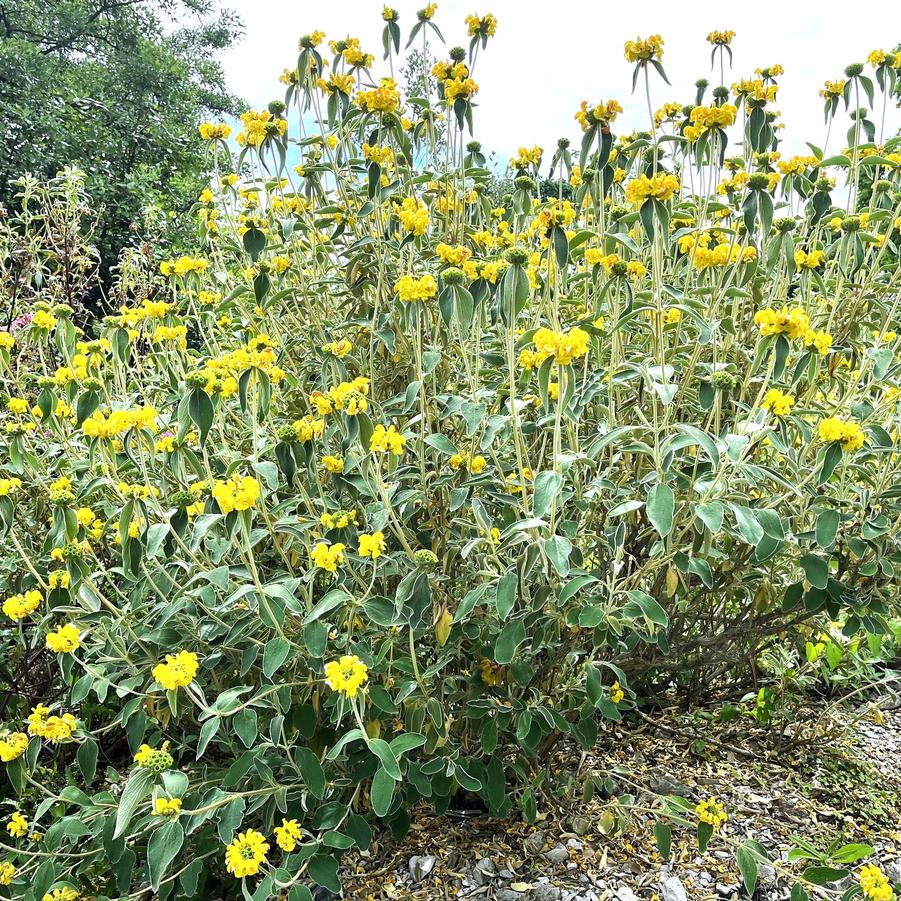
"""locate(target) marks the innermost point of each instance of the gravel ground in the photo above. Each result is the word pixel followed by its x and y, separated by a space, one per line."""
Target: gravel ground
pixel 841 778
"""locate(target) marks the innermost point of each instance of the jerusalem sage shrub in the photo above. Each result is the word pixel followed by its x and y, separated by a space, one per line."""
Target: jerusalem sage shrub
pixel 407 472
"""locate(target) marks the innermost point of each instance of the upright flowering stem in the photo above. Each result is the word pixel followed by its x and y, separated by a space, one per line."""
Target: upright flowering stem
pixel 647 94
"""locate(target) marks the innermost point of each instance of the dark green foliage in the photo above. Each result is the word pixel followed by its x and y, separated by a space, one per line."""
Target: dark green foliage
pixel 106 86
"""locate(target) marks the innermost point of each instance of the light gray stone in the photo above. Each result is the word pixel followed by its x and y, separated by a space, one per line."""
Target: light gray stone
pixel 534 843
pixel 421 866
pixel 766 873
pixel 483 872
pixel 545 893
pixel 671 889
pixel 557 855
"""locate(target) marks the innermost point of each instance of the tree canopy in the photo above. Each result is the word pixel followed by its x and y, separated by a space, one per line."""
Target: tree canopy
pixel 106 86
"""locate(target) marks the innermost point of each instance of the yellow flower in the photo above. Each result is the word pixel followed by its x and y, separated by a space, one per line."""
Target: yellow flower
pixel 383 99
pixel 712 812
pixel 18 606
pixel 158 761
pixel 350 397
pixel 846 432
pixel 186 265
pixel 810 260
pixel 238 493
pixel 372 545
pixel 287 835
pixel 54 728
pixel 7 342
pixel 178 670
pixel 642 51
pixel 413 215
pixel 258 126
pixel 755 89
pixel 792 323
pixel 832 89
pixel 770 72
pixel 475 464
pixel 210 132
pixel 12 746
pixel 635 269
pixel 310 427
pixel 165 444
pixel 338 348
pixel 17 825
pixel 383 156
pixel 485 26
pixel 491 271
pixel 463 88
pixel 176 334
pixel 245 855
pixel 354 56
pixel 563 346
pixel 616 693
pixel 44 320
pixel 660 187
pixel 9 486
pixel 673 316
pixel 822 341
pixel 410 288
pixel 346 675
pixel 166 807
pixel 720 38
pixel 797 164
pixel 61 489
pixel 65 639
pixel 874 883
pixel 143 755
pixel 58 894
pixel 340 519
pixel 713 116
pixel 778 402
pixel 100 425
pixel 600 113
pixel 17 405
pixel 453 256
pixel 327 557
pixel 7 872
pixel 389 439
pixel 333 464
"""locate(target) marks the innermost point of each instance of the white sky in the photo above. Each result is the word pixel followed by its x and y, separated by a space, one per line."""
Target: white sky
pixel 546 58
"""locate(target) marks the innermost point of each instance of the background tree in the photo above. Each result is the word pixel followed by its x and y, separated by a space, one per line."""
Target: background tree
pixel 106 86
